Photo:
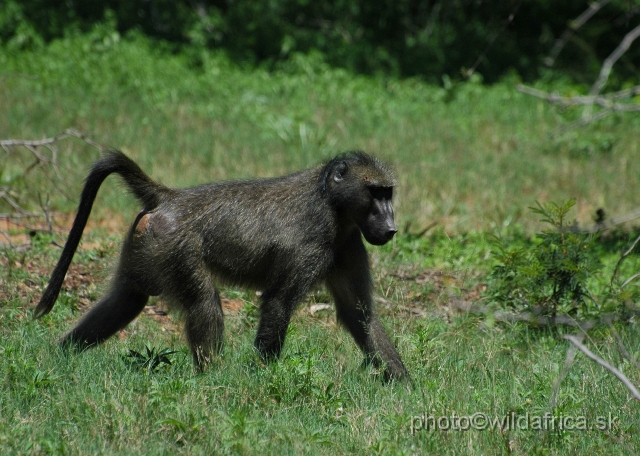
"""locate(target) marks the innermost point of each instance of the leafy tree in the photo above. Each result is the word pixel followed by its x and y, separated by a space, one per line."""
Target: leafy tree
pixel 428 39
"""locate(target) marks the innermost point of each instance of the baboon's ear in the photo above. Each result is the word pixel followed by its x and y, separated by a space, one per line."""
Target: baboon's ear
pixel 339 171
pixel 334 171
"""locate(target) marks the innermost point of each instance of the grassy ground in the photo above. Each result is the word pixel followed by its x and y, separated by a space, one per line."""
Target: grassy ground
pixel 318 397
pixel 468 157
pixel 471 158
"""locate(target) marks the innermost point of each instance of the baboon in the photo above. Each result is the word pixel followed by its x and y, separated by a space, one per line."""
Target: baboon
pixel 279 235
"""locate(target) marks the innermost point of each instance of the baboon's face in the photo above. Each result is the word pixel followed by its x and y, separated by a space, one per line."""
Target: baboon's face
pixel 362 190
pixel 378 227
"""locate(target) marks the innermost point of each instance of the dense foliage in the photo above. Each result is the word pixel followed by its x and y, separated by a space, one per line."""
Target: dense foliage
pixel 429 39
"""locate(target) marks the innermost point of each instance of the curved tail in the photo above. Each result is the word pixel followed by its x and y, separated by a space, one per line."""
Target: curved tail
pixel 150 193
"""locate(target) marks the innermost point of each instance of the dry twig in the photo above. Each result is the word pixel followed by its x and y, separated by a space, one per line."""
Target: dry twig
pixel 622 257
pixel 493 39
pixel 608 63
pixel 47 163
pixel 575 341
pixel 535 319
pixel 623 350
pixel 568 362
pixel 607 102
pixel 608 223
pixel 7 143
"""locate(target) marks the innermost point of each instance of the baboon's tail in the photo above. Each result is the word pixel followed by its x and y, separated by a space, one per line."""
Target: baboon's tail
pixel 146 190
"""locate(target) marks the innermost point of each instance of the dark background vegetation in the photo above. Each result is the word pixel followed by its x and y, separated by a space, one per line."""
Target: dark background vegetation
pixel 428 39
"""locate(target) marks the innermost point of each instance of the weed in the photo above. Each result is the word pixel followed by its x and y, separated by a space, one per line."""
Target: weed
pixel 151 360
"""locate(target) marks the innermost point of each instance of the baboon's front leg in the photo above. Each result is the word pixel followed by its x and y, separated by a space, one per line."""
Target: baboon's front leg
pixel 350 285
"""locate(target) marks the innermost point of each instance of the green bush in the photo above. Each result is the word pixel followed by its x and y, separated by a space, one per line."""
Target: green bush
pixel 398 37
pixel 549 274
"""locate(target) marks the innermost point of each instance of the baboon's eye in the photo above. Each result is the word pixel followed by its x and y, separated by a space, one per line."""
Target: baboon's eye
pixel 381 193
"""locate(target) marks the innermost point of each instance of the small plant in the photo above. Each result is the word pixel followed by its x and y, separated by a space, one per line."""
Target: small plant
pixel 584 145
pixel 548 274
pixel 151 360
pixel 294 378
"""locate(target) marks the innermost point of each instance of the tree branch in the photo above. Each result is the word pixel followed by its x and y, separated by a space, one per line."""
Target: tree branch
pixel 509 20
pixel 622 348
pixel 572 28
pixel 608 63
pixel 568 362
pixel 610 103
pixel 6 143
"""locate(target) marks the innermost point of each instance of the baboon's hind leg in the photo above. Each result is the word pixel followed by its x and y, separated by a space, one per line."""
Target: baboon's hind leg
pixel 114 311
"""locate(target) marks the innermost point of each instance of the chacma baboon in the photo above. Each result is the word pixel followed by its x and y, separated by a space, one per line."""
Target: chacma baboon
pixel 280 235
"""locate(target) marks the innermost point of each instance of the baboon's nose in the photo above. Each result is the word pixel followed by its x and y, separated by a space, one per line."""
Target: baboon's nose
pixel 390 233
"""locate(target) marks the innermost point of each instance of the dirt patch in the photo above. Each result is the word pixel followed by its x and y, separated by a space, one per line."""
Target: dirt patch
pixel 431 290
pixel 19 230
pixel 82 278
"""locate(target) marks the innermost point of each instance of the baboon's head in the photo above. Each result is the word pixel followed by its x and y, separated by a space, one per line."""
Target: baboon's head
pixel 361 189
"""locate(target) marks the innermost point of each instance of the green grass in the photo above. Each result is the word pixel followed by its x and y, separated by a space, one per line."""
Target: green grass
pixel 468 157
pixel 472 158
pixel 317 398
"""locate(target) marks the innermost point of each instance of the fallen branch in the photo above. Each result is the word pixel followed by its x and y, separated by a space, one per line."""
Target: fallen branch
pixel 575 341
pixel 509 20
pixel 610 103
pixel 625 353
pixel 608 63
pixel 604 101
pixel 607 224
pixel 6 143
pixel 541 320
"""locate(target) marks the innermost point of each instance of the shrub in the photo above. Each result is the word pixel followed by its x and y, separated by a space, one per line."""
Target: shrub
pixel 549 273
